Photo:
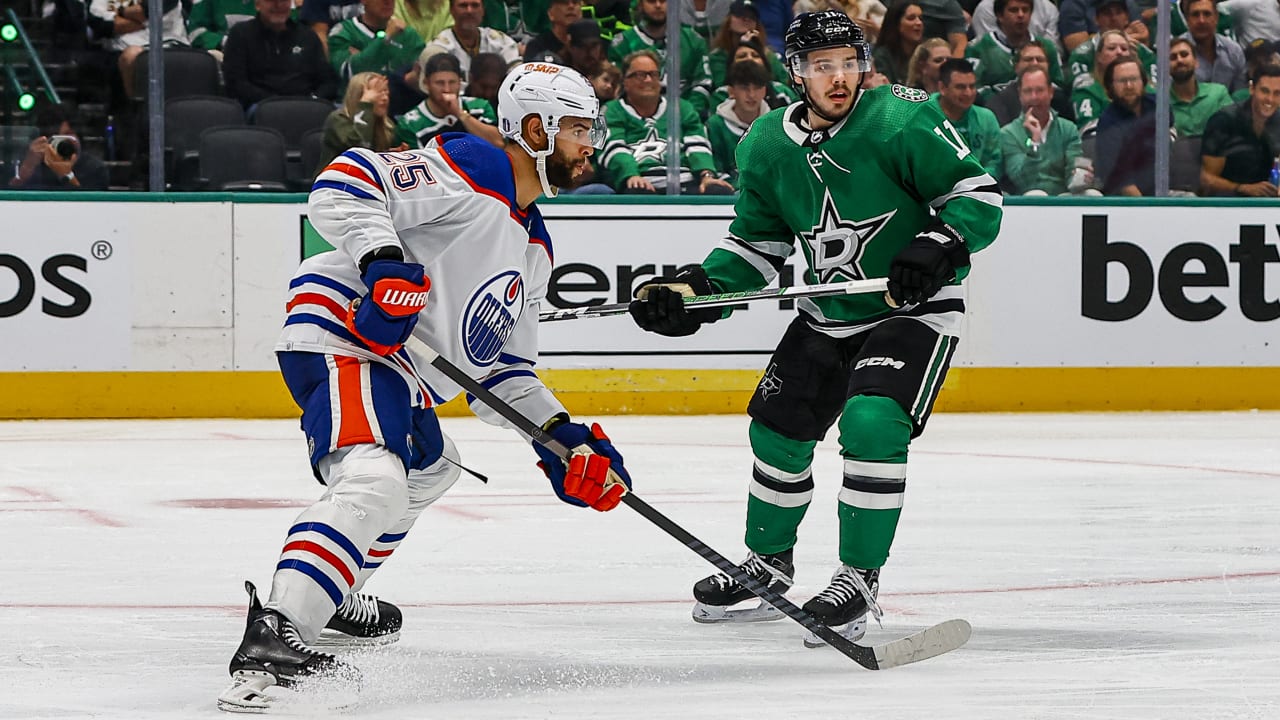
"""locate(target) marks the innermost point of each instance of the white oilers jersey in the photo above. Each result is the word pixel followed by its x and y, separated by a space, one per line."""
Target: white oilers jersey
pixel 451 207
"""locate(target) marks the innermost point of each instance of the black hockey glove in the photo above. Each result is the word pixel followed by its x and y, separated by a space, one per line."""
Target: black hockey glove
pixel 659 304
pixel 929 262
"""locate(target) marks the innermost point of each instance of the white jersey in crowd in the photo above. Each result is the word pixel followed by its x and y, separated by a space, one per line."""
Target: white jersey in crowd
pixel 451 207
pixel 173 32
pixel 491 41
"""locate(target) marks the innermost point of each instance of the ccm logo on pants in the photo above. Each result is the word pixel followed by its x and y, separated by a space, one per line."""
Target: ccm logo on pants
pixel 878 361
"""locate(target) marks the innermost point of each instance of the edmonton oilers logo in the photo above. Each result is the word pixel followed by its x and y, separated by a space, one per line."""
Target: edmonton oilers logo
pixel 491 316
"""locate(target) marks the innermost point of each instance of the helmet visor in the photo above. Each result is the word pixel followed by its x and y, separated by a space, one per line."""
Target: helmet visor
pixel 825 67
pixel 582 134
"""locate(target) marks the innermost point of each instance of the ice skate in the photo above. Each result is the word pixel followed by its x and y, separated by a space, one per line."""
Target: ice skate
pixel 362 621
pixel 844 604
pixel 717 594
pixel 272 655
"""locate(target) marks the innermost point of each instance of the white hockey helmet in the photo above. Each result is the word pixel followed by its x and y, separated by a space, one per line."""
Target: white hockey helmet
pixel 551 92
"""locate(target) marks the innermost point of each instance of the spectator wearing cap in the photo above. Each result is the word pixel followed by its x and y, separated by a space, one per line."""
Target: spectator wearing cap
pixel 650 33
pixel 977 126
pixel 1192 102
pixel 635 154
pixel 553 44
pixel 445 109
pixel 322 15
pixel 1219 59
pixel 746 86
pixel 993 54
pixel 273 54
pixel 1253 20
pixel 775 18
pixel 375 41
pixel 1078 20
pixel 1112 15
pixel 1044 20
pixel 1005 103
pixel 586 47
pixel 705 16
pixel 868 14
pixel 741 26
pixel 468 37
pixel 777 94
pixel 1242 140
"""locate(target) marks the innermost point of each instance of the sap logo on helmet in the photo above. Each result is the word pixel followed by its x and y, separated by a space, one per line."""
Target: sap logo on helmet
pixel 491 315
pixel 879 361
pixel 543 68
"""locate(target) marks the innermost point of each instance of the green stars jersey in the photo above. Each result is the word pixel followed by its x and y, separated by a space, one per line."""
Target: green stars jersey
pixel 1080 62
pixel 852 197
pixel 993 61
pixel 980 130
pixel 695 76
pixel 210 20
pixel 355 48
pixel 638 145
pixel 419 125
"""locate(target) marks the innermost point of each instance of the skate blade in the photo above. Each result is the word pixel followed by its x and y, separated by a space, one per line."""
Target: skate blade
pixel 853 632
pixel 764 612
pixel 257 692
pixel 336 640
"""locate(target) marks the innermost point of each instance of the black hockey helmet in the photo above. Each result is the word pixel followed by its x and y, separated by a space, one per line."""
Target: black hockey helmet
pixel 826 29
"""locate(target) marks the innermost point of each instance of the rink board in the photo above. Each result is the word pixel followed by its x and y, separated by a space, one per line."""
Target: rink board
pixel 170 307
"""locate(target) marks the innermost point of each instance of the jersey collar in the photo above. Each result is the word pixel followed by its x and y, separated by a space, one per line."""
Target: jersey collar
pixel 796 125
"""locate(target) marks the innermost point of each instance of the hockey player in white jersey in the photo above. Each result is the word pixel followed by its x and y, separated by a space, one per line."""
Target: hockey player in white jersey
pixel 444 244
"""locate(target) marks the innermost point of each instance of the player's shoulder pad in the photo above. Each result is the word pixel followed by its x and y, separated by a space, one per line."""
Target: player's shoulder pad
pixel 482 165
pixel 538 234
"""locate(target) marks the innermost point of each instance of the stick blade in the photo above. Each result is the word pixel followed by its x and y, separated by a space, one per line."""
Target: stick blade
pixel 930 642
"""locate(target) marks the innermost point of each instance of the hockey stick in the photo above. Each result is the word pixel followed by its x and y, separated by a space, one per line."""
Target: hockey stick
pixel 941 638
pixel 851 287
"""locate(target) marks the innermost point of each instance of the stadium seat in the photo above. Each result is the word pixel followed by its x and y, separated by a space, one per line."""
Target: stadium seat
pixel 187 71
pixel 1184 164
pixel 312 150
pixel 243 158
pixel 184 120
pixel 293 117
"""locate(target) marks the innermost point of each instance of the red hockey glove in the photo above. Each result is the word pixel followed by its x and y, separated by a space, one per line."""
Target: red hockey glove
pixel 594 476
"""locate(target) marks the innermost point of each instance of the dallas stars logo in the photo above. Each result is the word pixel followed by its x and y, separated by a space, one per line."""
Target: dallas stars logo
pixel 650 147
pixel 836 245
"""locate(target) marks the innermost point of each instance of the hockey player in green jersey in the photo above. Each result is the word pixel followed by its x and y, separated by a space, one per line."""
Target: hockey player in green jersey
pixel 871 183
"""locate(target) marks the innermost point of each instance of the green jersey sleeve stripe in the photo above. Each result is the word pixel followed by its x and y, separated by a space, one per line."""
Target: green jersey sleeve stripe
pixel 766 265
pixel 982 188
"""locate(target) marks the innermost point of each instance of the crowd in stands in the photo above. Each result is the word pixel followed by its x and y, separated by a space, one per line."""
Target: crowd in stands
pixel 1052 97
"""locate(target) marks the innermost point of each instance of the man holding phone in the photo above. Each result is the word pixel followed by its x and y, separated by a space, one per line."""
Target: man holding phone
pixel 55 161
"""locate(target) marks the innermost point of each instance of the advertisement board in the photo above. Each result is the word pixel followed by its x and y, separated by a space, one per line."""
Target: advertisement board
pixel 65 290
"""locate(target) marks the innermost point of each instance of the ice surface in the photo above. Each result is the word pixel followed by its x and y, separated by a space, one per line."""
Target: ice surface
pixel 1113 566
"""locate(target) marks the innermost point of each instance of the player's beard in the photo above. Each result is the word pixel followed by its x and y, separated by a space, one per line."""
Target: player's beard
pixel 560 170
